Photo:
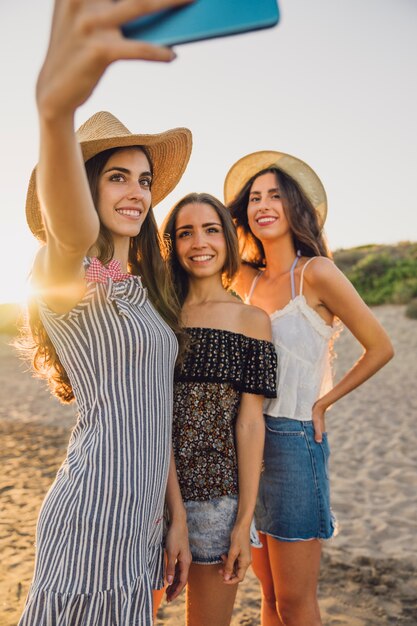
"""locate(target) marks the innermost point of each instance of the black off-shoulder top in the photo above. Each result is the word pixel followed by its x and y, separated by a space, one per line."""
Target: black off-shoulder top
pixel 219 367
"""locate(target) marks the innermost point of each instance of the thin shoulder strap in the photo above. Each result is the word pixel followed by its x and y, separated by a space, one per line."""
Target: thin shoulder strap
pixel 302 273
pixel 292 276
pixel 253 285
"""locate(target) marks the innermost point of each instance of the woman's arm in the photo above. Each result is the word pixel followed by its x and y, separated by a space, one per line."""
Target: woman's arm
pixel 176 545
pixel 250 437
pixel 85 39
pixel 340 297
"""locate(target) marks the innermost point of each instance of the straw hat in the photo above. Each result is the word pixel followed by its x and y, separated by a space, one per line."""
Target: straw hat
pixel 243 170
pixel 169 151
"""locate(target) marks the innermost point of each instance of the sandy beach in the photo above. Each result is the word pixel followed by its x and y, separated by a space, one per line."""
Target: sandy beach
pixel 369 573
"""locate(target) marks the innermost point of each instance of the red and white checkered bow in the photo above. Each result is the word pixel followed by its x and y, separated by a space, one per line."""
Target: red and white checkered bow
pixel 99 273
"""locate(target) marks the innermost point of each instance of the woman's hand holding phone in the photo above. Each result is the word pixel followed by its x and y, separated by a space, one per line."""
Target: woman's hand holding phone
pixel 85 39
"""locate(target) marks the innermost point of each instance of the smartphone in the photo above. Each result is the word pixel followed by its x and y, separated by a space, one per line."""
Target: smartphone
pixel 203 19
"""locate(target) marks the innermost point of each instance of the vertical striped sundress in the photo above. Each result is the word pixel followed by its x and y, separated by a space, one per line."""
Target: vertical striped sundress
pixel 99 533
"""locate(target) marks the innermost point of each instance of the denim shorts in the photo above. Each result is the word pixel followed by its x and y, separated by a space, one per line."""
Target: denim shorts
pixel 210 523
pixel 294 497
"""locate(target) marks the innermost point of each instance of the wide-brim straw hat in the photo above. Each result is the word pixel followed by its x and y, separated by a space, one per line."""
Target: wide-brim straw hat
pixel 248 166
pixel 169 151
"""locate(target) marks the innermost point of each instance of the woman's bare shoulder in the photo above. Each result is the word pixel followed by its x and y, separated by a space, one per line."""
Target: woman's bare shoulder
pixel 254 322
pixel 320 269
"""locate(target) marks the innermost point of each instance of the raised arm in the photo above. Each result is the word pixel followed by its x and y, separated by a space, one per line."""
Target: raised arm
pixel 85 40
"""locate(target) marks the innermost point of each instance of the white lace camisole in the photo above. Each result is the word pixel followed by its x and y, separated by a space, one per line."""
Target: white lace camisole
pixel 302 341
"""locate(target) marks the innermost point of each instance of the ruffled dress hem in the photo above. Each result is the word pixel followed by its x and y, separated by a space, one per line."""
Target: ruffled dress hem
pixel 127 605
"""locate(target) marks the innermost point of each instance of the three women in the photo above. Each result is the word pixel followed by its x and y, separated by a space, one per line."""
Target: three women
pixel 108 340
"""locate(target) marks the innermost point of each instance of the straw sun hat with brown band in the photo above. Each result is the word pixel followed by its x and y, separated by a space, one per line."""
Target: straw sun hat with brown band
pixel 169 152
pixel 243 170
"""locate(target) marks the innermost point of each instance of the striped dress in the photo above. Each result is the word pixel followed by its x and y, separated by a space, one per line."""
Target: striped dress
pixel 99 532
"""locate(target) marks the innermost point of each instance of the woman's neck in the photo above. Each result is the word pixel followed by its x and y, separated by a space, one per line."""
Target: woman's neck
pixel 279 257
pixel 121 250
pixel 202 290
pixel 121 247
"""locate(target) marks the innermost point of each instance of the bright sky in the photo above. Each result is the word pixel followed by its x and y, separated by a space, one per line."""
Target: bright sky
pixel 334 84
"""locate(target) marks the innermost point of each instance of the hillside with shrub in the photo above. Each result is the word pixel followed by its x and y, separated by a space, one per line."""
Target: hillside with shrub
pixel 383 274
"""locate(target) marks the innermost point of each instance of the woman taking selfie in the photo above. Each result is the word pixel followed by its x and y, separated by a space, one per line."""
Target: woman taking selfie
pixel 103 337
pixel 218 434
pixel 279 207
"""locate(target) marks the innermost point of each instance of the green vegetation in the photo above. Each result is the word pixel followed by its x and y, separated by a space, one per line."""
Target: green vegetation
pixel 381 273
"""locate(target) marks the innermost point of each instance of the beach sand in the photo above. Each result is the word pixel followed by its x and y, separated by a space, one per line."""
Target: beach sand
pixel 369 572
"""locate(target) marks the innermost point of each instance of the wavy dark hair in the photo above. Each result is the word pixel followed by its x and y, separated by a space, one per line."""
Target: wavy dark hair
pixel 231 266
pixel 146 258
pixel 307 234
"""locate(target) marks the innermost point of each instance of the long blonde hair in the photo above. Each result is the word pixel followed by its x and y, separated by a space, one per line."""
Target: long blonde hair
pixel 146 258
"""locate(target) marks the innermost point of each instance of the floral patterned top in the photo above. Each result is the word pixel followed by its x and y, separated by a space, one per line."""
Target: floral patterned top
pixel 219 367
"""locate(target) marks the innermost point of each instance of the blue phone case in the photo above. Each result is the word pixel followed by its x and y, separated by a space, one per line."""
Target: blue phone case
pixel 204 19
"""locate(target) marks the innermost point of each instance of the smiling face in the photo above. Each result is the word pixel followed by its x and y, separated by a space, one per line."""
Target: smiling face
pixel 124 192
pixel 200 243
pixel 266 215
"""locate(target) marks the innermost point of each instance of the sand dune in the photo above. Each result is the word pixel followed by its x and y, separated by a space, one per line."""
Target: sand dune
pixel 369 574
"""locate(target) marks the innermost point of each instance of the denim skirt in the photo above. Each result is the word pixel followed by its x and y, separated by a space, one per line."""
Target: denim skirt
pixel 294 496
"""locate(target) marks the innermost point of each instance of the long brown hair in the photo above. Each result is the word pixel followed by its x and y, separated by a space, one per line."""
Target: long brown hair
pixel 146 258
pixel 231 266
pixel 307 234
